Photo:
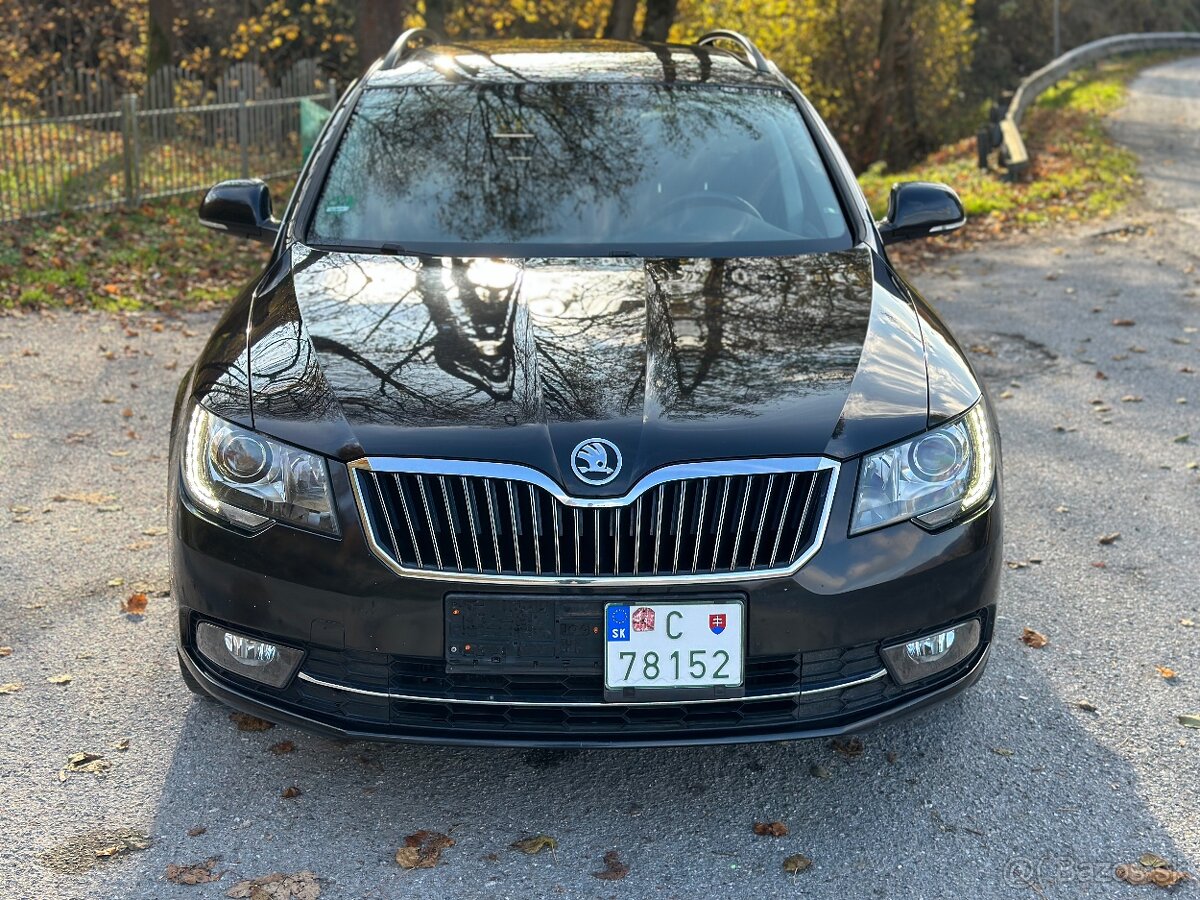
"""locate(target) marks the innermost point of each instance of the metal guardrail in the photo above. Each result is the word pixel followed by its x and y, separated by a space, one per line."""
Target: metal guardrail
pixel 1013 155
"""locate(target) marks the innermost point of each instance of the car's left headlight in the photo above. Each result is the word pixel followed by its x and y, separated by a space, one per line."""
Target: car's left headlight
pixel 248 479
pixel 933 479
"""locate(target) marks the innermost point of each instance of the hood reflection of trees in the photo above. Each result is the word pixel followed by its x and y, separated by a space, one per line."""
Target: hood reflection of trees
pixel 454 341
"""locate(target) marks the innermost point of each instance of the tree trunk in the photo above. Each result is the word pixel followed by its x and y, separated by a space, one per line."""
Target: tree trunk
pixel 161 37
pixel 660 16
pixel 619 25
pixel 435 15
pixel 377 24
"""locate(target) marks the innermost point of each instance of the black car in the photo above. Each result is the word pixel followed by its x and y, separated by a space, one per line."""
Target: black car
pixel 580 405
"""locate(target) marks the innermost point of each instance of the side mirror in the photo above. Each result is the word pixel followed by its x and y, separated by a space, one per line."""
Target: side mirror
pixel 241 207
pixel 917 209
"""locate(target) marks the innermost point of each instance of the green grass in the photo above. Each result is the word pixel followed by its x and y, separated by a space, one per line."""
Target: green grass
pixel 1077 172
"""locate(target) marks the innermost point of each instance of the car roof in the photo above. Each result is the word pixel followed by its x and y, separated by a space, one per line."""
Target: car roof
pixel 607 61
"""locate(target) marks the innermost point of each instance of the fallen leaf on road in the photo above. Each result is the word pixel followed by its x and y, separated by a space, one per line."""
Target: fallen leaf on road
pixel 197 873
pixel 196 831
pixel 5 651
pixel 1181 438
pixel 11 687
pixel 89 763
pixel 1086 706
pixel 819 772
pixel 125 844
pixel 614 869
pixel 282 747
pixel 797 863
pixel 1124 323
pixel 1186 623
pixel 122 744
pixel 1166 672
pixel 1190 720
pixel 1153 861
pixel 770 829
pixel 422 849
pixel 1135 874
pixel 92 498
pixel 135 604
pixel 247 722
pixel 1131 398
pixel 1003 751
pixel 1110 538
pixel 849 749
pixel 535 844
pixel 59 679
pixel 290 793
pixel 300 886
pixel 1033 638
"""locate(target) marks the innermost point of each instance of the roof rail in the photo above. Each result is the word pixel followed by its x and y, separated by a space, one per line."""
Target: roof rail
pixel 396 53
pixel 754 58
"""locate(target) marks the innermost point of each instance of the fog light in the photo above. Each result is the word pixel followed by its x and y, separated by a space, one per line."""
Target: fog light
pixel 250 657
pixel 925 650
pixel 932 653
pixel 248 651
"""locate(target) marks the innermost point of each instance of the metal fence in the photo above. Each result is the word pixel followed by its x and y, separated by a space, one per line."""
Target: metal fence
pixel 89 146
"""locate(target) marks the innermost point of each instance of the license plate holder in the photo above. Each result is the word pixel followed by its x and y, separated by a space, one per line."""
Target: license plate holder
pixel 698 648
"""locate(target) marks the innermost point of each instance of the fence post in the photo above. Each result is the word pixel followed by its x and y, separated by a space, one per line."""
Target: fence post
pixel 333 94
pixel 130 149
pixel 244 132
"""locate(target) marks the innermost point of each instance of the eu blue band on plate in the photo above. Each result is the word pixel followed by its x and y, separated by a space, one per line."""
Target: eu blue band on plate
pixel 618 623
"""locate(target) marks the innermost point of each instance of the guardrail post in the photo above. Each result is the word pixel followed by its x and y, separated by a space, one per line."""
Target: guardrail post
pixel 243 127
pixel 130 149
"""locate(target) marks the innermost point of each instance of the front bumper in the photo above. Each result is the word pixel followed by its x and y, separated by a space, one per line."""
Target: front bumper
pixel 374 655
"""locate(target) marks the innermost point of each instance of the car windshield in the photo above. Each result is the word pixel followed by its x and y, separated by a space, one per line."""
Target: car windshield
pixel 569 169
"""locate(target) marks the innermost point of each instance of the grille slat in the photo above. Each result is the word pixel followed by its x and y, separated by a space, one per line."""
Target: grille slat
pixel 723 525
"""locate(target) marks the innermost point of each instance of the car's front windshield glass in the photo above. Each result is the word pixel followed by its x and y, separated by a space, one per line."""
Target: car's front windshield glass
pixel 570 169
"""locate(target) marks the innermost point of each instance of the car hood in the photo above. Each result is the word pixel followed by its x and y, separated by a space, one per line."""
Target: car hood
pixel 519 361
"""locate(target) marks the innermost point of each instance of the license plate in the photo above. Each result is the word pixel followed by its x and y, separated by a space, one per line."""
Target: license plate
pixel 673 645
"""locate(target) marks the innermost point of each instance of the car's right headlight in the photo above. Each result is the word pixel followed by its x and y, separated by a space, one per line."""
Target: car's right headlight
pixel 248 479
pixel 933 479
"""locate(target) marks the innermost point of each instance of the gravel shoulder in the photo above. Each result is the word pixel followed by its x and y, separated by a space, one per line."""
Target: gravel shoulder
pixel 1090 340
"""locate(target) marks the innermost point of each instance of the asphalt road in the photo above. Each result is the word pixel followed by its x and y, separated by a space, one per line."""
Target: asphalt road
pixel 1009 790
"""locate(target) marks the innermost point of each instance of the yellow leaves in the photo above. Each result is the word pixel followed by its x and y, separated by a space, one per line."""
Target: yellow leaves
pixel 135 604
pixel 423 849
pixel 535 844
pixel 197 873
pixel 84 763
pixel 797 863
pixel 1034 639
pixel 300 886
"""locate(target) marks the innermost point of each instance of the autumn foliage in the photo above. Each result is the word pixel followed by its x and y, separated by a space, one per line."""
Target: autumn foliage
pixel 895 79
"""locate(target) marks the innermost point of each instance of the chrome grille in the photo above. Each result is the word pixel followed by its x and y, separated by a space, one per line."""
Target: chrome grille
pixel 498 522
